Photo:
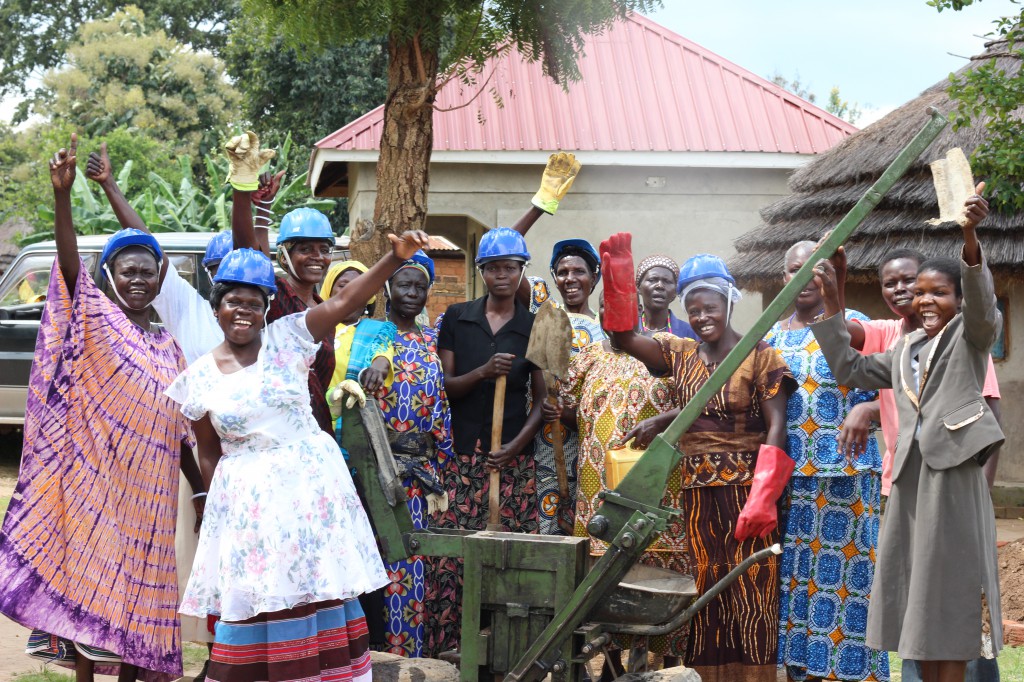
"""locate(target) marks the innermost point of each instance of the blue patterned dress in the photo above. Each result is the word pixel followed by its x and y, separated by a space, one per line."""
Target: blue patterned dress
pixel 828 562
pixel 416 402
pixel 585 331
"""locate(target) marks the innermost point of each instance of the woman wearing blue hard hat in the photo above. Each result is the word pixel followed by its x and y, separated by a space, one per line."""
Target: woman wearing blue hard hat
pixel 729 512
pixel 305 242
pixel 480 341
pixel 287 547
pixel 187 316
pixel 418 419
pixel 99 474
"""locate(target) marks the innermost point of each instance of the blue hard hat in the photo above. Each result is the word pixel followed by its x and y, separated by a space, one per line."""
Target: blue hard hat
pixel 589 254
pixel 502 243
pixel 305 223
pixel 218 247
pixel 702 266
pixel 129 236
pixel 247 266
pixel 422 259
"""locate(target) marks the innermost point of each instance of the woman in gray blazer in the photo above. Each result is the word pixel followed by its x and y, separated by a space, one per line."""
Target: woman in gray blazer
pixel 935 598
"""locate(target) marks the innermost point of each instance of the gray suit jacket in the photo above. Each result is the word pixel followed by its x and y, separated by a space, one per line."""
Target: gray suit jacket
pixel 955 422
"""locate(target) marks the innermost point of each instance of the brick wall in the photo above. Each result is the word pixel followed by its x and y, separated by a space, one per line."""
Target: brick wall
pixel 449 284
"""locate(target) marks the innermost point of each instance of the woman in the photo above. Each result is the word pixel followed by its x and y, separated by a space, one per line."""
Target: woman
pixel 831 534
pixel 363 348
pixel 305 242
pixel 287 547
pixel 419 424
pixel 576 268
pixel 93 514
pixel 605 395
pixel 479 341
pixel 656 278
pixel 743 426
pixel 935 598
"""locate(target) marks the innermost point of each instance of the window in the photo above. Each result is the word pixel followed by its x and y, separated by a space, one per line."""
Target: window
pixel 29 279
pixel 1000 349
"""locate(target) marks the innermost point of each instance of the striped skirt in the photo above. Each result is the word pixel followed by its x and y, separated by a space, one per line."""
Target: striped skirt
pixel 735 637
pixel 326 641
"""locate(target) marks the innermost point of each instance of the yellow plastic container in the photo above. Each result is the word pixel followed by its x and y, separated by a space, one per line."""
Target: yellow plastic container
pixel 618 462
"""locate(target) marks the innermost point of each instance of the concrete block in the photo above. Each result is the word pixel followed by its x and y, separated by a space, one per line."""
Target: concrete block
pixel 392 668
pixel 680 674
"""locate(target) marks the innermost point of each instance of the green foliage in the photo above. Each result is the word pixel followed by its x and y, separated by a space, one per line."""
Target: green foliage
pixel 306 95
pixel 165 207
pixel 25 176
pixel 35 34
pixel 991 96
pixel 466 31
pixel 119 74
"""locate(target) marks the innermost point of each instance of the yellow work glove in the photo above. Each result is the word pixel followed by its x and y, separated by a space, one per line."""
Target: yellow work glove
pixel 246 157
pixel 554 185
pixel 348 390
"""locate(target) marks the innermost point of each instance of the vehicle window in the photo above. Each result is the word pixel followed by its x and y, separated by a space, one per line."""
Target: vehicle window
pixel 29 278
pixel 185 266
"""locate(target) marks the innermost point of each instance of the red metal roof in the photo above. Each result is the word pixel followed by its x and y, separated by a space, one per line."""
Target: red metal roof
pixel 644 88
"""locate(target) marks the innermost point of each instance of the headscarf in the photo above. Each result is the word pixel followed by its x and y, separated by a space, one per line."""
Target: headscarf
pixel 419 261
pixel 656 262
pixel 336 271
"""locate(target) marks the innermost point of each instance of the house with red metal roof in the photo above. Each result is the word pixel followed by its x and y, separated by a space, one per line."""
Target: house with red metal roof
pixel 679 146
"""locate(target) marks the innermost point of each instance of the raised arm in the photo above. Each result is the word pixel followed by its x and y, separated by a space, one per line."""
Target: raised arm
pixel 559 174
pixel 323 318
pixel 246 159
pixel 848 366
pixel 62 176
pixel 982 319
pixel 99 169
pixel 838 261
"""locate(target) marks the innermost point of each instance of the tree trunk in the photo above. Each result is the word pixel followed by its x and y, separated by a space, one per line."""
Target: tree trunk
pixel 403 169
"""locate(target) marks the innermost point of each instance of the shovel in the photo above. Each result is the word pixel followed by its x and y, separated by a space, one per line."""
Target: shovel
pixel 549 349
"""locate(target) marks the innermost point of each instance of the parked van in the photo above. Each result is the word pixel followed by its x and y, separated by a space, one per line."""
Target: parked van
pixel 23 290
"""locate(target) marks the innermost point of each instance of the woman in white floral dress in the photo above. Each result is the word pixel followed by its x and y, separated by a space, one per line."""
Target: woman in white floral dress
pixel 286 546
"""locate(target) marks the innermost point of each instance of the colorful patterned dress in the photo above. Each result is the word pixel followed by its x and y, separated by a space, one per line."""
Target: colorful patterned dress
pixel 585 331
pixel 613 392
pixel 828 564
pixel 286 546
pixel 93 515
pixel 735 637
pixel 415 403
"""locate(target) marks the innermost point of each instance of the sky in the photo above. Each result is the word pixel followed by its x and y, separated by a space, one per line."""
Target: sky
pixel 880 53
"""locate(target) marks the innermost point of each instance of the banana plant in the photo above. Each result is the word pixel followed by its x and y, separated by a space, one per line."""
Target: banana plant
pixel 185 208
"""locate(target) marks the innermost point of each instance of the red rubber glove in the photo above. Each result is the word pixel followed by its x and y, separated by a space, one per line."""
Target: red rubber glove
pixel 759 516
pixel 620 302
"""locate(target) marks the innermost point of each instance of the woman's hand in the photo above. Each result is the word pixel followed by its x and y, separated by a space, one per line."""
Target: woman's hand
pixel 98 168
pixel 825 274
pixel 270 185
pixel 62 166
pixel 856 430
pixel 246 158
pixel 975 208
pixel 408 244
pixel 551 412
pixel 373 376
pixel 497 459
pixel 199 504
pixel 643 433
pixel 500 364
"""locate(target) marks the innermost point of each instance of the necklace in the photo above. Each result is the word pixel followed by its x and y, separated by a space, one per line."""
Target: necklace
pixel 789 322
pixel 645 328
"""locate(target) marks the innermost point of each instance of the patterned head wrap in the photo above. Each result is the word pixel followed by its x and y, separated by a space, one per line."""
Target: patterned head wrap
pixel 656 262
pixel 336 271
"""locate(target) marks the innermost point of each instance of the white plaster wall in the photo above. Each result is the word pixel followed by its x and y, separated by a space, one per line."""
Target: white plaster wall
pixel 686 211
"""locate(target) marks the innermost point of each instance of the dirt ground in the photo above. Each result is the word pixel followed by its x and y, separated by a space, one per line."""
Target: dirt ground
pixel 1011 579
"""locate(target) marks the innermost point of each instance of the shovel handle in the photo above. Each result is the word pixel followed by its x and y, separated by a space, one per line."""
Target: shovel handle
pixel 497 422
pixel 558 441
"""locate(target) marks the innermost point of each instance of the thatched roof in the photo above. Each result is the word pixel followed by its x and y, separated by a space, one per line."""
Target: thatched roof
pixel 825 189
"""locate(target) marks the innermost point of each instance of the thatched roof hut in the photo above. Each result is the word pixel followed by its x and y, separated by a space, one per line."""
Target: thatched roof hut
pixel 825 189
